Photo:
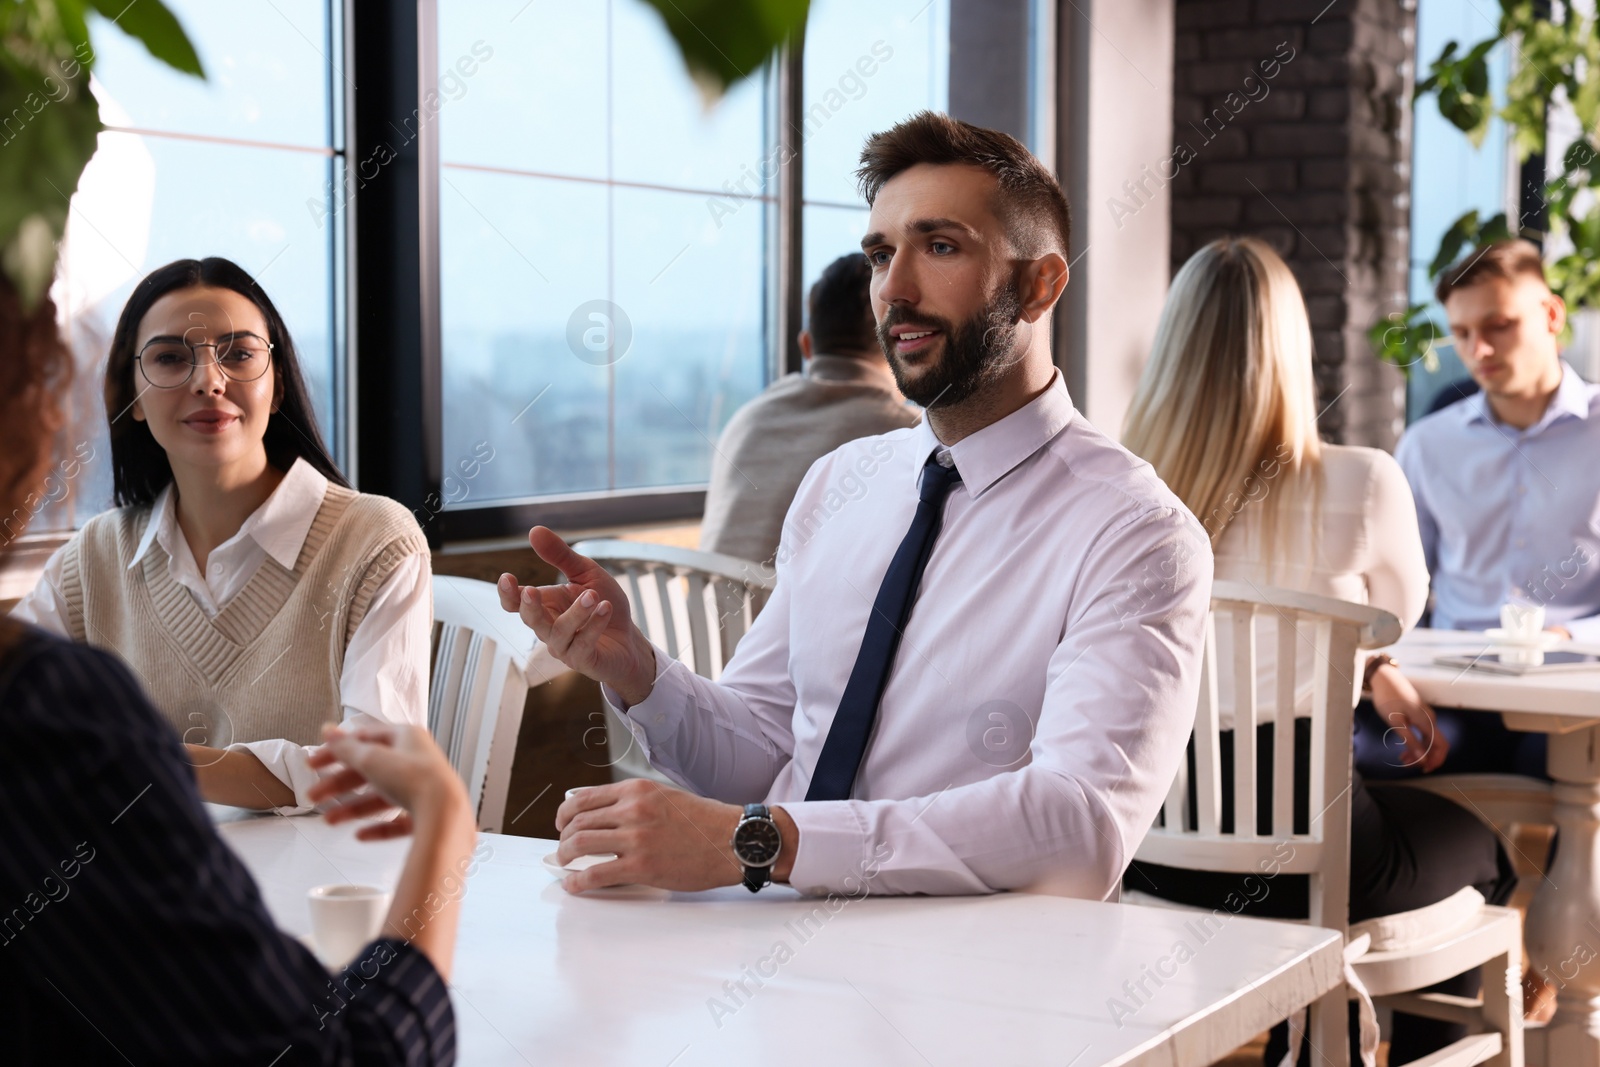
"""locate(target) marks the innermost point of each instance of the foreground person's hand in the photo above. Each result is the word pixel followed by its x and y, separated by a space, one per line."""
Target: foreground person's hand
pixel 374 769
pixel 585 623
pixel 661 836
pixel 381 768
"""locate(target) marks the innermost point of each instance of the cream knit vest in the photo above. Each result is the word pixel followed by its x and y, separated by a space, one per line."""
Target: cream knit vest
pixel 268 665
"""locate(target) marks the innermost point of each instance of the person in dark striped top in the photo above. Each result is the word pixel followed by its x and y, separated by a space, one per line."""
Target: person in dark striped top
pixel 128 930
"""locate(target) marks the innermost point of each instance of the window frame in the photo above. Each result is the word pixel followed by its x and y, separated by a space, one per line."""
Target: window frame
pixel 394 400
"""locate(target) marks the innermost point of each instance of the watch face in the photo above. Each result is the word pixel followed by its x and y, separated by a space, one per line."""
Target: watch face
pixel 756 842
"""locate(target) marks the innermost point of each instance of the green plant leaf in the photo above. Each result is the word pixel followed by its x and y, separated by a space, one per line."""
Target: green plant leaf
pixel 53 121
pixel 1407 340
pixel 1495 229
pixel 725 41
pixel 150 23
pixel 1461 232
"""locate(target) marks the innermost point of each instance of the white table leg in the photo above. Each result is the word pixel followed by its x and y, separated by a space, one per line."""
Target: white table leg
pixel 1563 932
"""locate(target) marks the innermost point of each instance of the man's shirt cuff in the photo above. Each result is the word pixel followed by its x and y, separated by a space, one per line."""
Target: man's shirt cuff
pixel 657 715
pixel 833 854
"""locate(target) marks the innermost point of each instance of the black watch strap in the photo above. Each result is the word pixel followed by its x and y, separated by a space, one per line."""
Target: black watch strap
pixel 756 878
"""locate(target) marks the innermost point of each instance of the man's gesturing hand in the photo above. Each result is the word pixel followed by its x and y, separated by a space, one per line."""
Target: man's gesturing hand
pixel 585 624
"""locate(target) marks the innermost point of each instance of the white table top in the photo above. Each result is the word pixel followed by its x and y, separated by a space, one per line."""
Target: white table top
pixel 635 976
pixel 1552 703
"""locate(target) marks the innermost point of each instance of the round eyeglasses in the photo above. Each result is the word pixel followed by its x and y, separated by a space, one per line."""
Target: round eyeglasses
pixel 167 364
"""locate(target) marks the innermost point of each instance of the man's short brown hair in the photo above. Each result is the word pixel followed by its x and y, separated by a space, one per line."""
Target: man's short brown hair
pixel 1030 203
pixel 1499 259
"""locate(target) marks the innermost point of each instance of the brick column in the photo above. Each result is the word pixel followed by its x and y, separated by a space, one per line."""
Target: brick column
pixel 1290 124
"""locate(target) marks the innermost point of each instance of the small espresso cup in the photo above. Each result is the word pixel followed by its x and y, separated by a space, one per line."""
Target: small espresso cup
pixel 344 918
pixel 1522 620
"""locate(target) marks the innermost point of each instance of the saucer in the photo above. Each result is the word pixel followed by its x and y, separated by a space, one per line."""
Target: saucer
pixel 582 863
pixel 1543 640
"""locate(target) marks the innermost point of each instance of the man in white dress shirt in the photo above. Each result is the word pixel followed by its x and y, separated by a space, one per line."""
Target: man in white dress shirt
pixel 979 667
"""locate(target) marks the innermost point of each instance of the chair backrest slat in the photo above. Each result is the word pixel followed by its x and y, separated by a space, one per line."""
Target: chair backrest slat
pixel 1245 718
pixel 1207 754
pixel 1175 812
pixel 659 580
pixel 697 609
pixel 1322 699
pixel 1288 645
pixel 444 695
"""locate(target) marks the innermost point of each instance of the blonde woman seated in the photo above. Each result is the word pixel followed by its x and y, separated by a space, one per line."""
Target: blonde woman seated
pixel 1226 413
pixel 252 591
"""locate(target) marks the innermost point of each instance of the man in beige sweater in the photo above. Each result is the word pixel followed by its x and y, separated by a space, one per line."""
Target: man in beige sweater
pixel 846 391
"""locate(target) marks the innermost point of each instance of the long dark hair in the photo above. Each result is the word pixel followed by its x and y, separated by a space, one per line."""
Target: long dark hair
pixel 139 466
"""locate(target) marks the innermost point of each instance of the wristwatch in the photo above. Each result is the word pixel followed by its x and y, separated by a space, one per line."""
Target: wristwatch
pixel 1382 659
pixel 756 841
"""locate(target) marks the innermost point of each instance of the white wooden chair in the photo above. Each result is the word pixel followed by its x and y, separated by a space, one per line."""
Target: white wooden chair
pixel 694 605
pixel 477 689
pixel 1414 950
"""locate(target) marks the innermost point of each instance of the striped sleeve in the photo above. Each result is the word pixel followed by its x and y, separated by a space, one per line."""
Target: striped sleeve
pixel 132 927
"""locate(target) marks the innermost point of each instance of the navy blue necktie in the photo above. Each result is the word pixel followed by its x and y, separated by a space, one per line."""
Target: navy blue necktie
pixel 858 708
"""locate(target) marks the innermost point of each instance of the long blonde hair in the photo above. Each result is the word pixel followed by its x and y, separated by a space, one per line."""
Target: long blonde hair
pixel 1226 408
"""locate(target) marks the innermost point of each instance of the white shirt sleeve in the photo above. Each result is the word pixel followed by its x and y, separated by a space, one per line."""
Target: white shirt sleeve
pixel 385 676
pixel 44 606
pixel 1396 570
pixel 726 740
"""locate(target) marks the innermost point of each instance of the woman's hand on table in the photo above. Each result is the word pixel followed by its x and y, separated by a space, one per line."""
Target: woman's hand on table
pixel 1408 715
pixel 375 770
pixel 661 836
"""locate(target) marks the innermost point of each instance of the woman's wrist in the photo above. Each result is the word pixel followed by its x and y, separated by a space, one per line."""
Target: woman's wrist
pixel 439 805
pixel 1375 665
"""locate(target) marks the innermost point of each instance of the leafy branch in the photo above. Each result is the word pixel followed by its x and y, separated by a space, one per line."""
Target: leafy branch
pixel 725 41
pixel 1557 61
pixel 50 121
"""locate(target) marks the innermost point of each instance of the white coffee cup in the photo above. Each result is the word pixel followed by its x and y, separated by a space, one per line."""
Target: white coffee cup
pixel 1521 620
pixel 344 918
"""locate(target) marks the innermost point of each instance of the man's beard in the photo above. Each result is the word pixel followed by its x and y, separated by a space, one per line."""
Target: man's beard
pixel 975 353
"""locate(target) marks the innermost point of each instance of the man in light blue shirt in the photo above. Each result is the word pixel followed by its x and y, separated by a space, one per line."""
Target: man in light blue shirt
pixel 1507 482
pixel 1507 487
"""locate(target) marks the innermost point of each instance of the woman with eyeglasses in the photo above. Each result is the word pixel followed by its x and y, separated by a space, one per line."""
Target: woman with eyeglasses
pixel 253 592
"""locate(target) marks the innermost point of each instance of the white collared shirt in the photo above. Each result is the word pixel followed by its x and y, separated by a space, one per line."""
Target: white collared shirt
pixel 1044 689
pixel 385 673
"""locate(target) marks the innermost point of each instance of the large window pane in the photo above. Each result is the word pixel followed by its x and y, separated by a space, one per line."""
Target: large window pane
pixel 865 70
pixel 602 215
pixel 519 254
pixel 535 98
pixel 663 133
pixel 694 295
pixel 267 68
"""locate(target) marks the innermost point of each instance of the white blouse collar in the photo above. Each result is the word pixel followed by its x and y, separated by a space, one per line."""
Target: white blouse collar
pixel 279 525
